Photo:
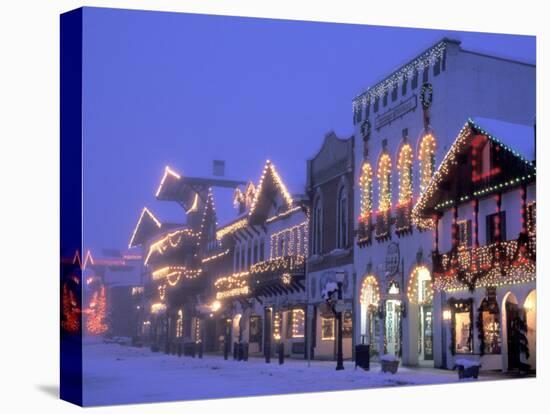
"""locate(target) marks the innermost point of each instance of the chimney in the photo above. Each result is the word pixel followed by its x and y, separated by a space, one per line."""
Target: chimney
pixel 218 168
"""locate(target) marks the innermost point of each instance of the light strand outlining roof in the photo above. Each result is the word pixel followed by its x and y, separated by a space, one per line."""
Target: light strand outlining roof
pixel 450 157
pixel 167 172
pixel 270 168
pixel 160 247
pixel 426 59
pixel 144 211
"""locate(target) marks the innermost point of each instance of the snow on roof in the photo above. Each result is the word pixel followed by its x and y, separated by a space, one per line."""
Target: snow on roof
pixel 520 138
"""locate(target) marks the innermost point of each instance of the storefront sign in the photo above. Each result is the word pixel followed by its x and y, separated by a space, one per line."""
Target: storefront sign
pixel 396 112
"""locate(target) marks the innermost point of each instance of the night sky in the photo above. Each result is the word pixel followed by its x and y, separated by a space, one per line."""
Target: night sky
pixel 182 90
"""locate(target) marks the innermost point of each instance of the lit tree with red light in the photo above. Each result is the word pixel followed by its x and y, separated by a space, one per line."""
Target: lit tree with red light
pixel 70 310
pixel 95 323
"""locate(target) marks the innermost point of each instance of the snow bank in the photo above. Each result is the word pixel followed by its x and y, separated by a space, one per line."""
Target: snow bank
pixel 389 358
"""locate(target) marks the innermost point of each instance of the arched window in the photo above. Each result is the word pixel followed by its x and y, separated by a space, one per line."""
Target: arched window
pixel 426 156
pixel 384 183
pixel 342 219
pixel 317 218
pixel 365 185
pixel 404 166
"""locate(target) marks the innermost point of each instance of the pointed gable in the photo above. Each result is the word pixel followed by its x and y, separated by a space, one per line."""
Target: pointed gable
pixel 147 227
pixel 477 165
pixel 270 194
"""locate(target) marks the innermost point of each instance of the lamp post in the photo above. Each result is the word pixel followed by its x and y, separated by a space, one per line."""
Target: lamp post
pixel 339 308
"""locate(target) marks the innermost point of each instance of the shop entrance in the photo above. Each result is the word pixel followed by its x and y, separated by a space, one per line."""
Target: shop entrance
pixel 393 324
pixel 513 334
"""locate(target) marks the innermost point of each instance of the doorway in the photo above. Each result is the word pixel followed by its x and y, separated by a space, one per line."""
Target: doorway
pixel 393 324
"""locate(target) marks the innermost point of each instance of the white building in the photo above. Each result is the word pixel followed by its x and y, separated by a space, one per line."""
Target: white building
pixel 404 125
pixel 481 205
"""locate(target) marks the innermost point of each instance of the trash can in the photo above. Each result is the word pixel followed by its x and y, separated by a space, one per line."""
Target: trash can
pixel 362 356
pixel 245 351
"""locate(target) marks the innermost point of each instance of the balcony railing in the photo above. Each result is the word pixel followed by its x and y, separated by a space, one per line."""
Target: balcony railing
pixel 294 264
pixel 383 226
pixel 364 231
pixel 496 264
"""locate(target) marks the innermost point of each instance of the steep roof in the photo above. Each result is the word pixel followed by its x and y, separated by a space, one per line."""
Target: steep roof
pixel 453 182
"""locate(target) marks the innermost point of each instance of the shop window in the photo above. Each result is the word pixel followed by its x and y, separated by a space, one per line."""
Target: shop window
pixel 297 323
pixel 491 332
pixel 255 329
pixel 464 233
pixel 327 328
pixel 461 326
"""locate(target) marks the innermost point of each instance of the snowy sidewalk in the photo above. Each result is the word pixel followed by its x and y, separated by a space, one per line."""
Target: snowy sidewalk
pixel 115 374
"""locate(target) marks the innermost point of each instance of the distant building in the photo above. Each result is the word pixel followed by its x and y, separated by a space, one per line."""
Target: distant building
pixel 330 177
pixel 262 296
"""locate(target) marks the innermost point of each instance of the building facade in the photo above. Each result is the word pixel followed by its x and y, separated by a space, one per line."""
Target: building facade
pixel 481 207
pixel 404 126
pixel 330 176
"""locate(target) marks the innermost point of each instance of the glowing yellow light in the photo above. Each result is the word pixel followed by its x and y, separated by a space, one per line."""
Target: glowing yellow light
pixel 167 172
pixel 384 182
pixel 195 205
pixel 447 315
pixel 404 166
pixel 144 211
pixel 269 168
pixel 365 185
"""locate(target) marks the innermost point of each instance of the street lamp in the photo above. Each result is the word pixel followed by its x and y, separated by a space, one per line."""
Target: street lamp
pixel 339 309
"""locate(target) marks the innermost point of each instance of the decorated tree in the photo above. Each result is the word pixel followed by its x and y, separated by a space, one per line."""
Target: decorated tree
pixel 96 312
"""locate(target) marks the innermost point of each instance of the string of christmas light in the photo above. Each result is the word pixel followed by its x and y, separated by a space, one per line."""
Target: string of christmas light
pixel 170 240
pixel 426 157
pixel 497 264
pixel 144 211
pixel 215 256
pixel 70 311
pixel 365 185
pixel 420 284
pixel 283 214
pixel 96 313
pixel 277 326
pixel 288 235
pixel 464 137
pixel 168 172
pixel 370 291
pixel 179 324
pixel 172 271
pixel 157 308
pixel 404 166
pixel 270 169
pixel 427 59
pixel 231 228
pixel 279 264
pixel 384 183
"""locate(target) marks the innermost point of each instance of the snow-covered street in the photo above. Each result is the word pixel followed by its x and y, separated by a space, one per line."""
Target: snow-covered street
pixel 115 374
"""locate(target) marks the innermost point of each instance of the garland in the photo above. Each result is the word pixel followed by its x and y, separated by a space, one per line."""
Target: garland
pixel 426 95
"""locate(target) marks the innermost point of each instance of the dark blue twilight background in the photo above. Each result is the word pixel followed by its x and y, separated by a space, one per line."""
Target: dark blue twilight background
pixel 181 90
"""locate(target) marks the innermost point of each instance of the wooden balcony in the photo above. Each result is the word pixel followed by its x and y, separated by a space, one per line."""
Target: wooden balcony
pixel 507 262
pixel 403 221
pixel 382 227
pixel 364 231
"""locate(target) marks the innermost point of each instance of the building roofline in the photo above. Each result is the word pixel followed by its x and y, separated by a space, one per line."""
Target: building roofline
pixel 404 65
